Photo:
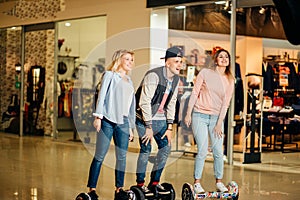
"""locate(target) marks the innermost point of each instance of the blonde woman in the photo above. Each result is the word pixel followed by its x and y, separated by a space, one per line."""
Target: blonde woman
pixel 114 118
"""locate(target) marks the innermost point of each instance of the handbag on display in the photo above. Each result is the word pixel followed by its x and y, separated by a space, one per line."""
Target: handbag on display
pixel 278 101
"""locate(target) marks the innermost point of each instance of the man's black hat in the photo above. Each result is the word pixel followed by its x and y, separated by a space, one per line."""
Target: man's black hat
pixel 173 52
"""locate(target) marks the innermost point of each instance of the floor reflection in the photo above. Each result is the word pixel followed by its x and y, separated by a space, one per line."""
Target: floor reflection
pixel 44 168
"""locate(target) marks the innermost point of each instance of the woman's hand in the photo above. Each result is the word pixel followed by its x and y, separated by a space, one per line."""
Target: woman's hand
pixel 218 130
pixel 131 136
pixel 188 120
pixel 97 124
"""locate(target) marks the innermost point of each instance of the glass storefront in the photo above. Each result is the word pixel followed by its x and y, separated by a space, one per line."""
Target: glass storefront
pixel 49 74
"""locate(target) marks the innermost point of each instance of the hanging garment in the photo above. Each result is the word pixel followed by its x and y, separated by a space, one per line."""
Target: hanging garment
pixel 67 99
pixel 239 91
pixel 268 75
pixel 49 96
pixel 294 78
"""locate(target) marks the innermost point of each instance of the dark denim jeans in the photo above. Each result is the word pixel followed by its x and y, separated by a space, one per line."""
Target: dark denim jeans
pixel 159 128
pixel 120 134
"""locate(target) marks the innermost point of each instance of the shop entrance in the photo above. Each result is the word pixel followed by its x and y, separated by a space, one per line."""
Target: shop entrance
pixel 40 67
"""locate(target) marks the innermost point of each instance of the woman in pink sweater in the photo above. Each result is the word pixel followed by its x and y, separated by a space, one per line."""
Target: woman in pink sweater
pixel 206 111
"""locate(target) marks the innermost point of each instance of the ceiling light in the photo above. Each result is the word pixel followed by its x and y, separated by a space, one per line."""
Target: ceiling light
pixel 68 24
pixel 220 2
pixel 180 7
pixel 262 10
pixel 154 14
pixel 227 5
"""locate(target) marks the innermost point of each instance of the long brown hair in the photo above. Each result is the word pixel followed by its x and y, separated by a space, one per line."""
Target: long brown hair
pixel 227 70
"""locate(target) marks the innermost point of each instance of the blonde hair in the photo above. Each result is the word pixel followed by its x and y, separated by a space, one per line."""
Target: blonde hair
pixel 116 59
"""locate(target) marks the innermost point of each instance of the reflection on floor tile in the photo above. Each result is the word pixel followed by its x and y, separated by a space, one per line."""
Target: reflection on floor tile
pixel 42 168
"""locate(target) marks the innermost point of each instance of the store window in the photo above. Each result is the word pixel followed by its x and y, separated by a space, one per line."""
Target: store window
pixel 78 73
pixel 77 40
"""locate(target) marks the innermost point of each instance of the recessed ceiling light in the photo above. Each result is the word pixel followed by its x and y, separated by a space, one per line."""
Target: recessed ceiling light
pixel 180 7
pixel 262 10
pixel 154 15
pixel 220 2
pixel 67 24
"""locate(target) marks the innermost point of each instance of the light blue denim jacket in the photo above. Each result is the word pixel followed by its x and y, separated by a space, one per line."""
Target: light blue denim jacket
pixel 110 100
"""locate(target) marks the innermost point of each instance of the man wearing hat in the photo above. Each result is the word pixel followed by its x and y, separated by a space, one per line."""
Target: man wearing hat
pixel 156 99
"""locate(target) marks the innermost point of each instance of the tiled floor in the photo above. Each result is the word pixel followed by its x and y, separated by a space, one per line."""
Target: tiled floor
pixel 41 168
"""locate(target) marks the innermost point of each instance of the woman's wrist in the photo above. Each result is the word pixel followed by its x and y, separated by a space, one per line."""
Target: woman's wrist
pixel 97 115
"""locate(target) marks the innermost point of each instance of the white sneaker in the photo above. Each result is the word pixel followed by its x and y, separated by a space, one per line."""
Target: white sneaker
pixel 198 188
pixel 209 154
pixel 221 187
pixel 187 144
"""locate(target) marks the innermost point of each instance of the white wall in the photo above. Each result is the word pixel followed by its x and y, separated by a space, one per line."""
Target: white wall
pixel 253 55
pixel 158 36
pixel 198 40
pixel 271 48
pixel 82 36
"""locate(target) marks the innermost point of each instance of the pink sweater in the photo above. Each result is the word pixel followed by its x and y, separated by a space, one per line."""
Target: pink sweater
pixel 212 93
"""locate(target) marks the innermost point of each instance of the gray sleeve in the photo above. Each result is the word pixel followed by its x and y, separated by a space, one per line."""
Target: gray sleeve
pixel 171 109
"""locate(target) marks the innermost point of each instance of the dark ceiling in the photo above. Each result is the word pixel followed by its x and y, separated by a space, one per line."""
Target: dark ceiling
pixel 155 3
pixel 240 3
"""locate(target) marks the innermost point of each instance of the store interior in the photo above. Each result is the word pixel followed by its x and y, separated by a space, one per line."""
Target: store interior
pixel 59 83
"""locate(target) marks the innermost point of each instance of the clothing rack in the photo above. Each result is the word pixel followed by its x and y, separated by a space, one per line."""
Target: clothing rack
pixel 283 90
pixel 277 59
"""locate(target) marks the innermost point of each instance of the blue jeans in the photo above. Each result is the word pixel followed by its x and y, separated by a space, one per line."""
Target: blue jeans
pixel 159 128
pixel 203 127
pixel 120 134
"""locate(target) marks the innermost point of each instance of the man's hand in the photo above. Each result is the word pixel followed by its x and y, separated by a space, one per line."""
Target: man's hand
pixel 168 133
pixel 148 136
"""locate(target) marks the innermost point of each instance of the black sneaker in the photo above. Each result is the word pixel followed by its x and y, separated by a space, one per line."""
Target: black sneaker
pixel 146 191
pixel 93 195
pixel 159 189
pixel 121 195
pixel 83 196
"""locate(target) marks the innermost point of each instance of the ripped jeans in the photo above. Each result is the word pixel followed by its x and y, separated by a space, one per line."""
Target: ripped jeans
pixel 203 128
